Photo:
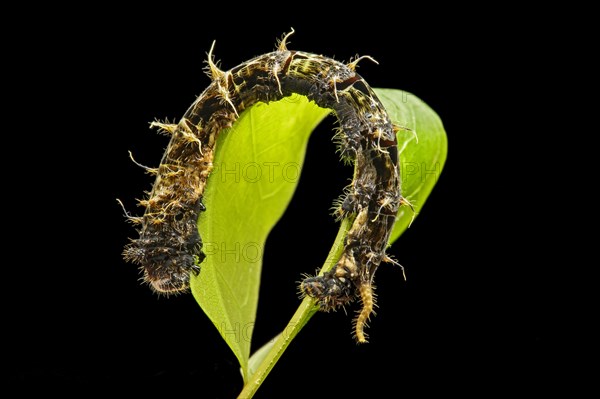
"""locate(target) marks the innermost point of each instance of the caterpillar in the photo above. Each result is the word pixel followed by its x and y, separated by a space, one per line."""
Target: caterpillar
pixel 169 247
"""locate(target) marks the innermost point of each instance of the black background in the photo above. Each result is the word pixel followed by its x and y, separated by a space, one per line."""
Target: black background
pixel 472 318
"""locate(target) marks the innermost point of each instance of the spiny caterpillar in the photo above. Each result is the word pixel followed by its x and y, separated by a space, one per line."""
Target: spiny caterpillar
pixel 170 248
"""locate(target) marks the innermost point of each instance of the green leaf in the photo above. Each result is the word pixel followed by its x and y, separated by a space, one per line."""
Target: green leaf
pixel 260 354
pixel 257 167
pixel 256 172
pixel 423 150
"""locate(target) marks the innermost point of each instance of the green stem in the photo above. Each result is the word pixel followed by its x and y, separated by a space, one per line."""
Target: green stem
pixel 303 314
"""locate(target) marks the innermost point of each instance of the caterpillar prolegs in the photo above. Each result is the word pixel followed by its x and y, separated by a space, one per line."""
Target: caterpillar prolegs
pixel 169 247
